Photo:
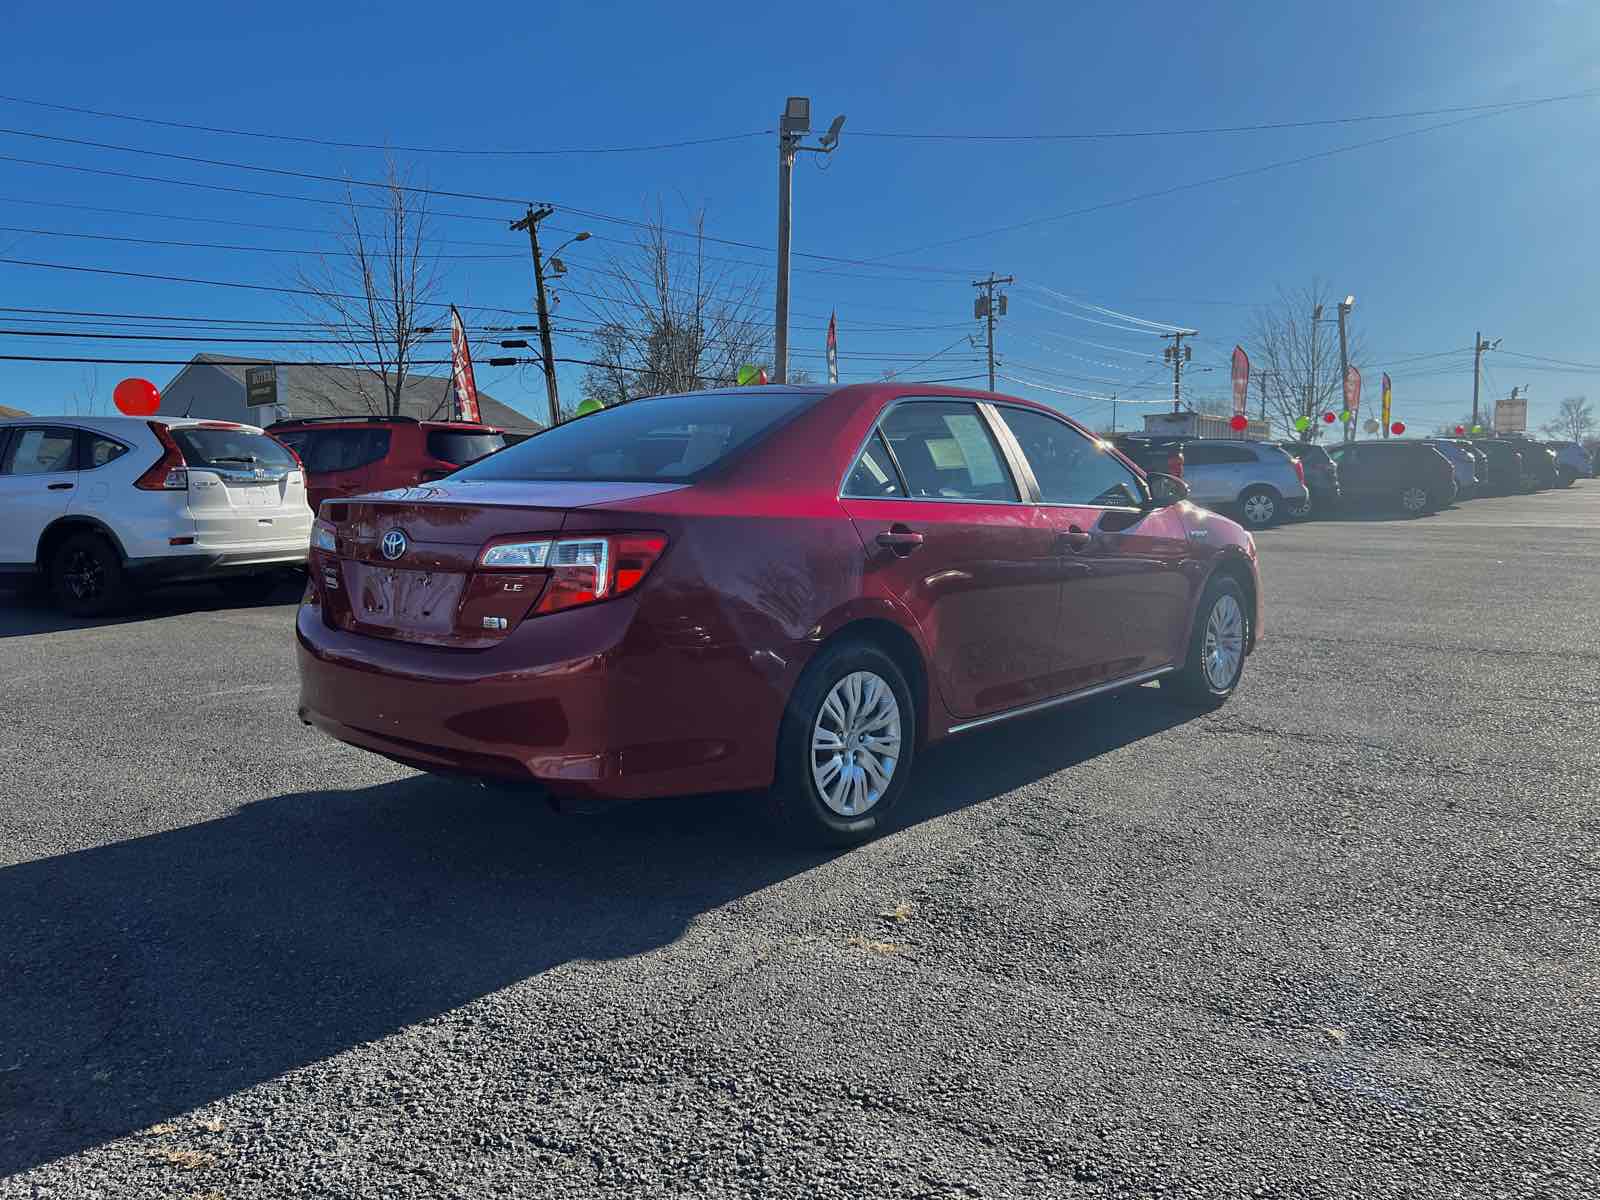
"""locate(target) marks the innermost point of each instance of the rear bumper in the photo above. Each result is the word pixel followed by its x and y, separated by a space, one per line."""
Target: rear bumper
pixel 572 703
pixel 192 568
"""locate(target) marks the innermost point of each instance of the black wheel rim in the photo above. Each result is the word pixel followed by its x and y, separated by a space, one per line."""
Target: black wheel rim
pixel 85 577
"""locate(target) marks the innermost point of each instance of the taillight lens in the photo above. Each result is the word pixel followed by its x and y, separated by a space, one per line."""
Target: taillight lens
pixel 323 537
pixel 582 570
pixel 169 472
pixel 1175 464
pixel 1300 470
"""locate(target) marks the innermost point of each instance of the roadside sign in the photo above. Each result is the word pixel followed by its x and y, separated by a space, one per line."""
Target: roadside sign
pixel 1510 416
pixel 260 386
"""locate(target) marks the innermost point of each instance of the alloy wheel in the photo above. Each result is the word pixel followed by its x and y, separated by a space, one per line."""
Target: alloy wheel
pixel 1259 509
pixel 1223 648
pixel 84 576
pixel 1414 499
pixel 855 743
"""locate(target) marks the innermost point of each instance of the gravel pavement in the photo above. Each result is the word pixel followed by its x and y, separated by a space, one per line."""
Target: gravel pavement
pixel 1337 939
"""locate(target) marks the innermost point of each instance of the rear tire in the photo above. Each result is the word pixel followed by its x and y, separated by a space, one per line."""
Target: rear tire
pixel 86 577
pixel 1298 510
pixel 845 748
pixel 1415 501
pixel 1217 647
pixel 1260 507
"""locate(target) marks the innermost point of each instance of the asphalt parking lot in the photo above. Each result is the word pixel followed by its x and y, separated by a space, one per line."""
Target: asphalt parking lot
pixel 1337 939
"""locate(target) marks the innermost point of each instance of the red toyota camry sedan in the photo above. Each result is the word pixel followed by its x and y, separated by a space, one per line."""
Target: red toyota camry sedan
pixel 791 589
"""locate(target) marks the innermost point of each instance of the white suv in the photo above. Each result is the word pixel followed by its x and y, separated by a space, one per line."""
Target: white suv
pixel 101 506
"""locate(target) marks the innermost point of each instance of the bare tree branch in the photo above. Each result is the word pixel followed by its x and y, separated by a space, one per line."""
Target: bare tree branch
pixel 371 298
pixel 1297 357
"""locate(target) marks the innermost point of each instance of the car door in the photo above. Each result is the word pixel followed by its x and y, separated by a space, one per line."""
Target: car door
pixel 338 461
pixel 38 475
pixel 1207 472
pixel 949 536
pixel 1355 476
pixel 1124 601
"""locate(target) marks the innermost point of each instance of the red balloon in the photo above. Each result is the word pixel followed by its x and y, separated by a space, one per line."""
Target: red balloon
pixel 1328 417
pixel 1397 428
pixel 1460 429
pixel 136 398
pixel 1239 423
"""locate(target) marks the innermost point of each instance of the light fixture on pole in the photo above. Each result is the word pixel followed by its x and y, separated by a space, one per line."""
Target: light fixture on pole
pixel 793 126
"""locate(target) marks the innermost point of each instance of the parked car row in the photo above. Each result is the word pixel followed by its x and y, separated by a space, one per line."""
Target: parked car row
pixel 1265 482
pixel 99 508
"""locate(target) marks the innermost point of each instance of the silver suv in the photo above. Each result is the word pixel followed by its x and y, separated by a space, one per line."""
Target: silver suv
pixel 1260 480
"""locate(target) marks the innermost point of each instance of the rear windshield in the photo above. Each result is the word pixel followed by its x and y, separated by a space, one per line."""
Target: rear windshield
pixel 459 447
pixel 663 437
pixel 237 448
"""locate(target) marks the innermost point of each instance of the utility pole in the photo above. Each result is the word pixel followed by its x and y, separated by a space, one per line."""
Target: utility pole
pixel 1345 306
pixel 1313 396
pixel 1178 354
pixel 793 126
pixel 1479 345
pixel 984 307
pixel 1113 412
pixel 531 224
pixel 1261 379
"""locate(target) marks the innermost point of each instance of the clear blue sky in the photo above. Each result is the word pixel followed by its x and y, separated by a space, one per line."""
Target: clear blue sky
pixel 1486 224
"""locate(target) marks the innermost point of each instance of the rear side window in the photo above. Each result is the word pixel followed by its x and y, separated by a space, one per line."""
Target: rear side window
pixel 230 449
pixel 874 476
pixel 328 450
pixel 461 448
pixel 946 452
pixel 1199 454
pixel 39 451
pixel 1069 467
pixel 662 438
pixel 98 450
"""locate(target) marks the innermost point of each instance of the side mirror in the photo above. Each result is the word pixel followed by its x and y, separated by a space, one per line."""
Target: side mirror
pixel 1166 490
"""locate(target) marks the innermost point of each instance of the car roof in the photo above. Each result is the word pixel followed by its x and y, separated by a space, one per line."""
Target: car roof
pixel 110 422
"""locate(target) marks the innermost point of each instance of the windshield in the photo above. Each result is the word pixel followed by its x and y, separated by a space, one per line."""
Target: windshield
pixel 208 446
pixel 662 438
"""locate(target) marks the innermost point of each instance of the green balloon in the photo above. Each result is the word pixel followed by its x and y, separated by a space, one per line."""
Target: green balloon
pixel 748 375
pixel 588 406
pixel 1302 423
pixel 1477 429
pixel 1345 416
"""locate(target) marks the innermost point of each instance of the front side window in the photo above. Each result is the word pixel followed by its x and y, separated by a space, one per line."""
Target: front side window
pixel 946 452
pixel 39 451
pixel 1069 467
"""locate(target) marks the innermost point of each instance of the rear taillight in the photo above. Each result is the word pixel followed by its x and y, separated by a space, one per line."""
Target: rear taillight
pixel 582 570
pixel 1300 470
pixel 323 536
pixel 170 471
pixel 1175 464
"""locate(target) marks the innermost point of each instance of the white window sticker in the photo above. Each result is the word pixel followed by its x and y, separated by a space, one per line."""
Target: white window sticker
pixel 982 464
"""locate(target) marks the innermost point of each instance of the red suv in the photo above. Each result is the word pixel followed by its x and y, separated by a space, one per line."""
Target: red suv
pixel 793 588
pixel 348 456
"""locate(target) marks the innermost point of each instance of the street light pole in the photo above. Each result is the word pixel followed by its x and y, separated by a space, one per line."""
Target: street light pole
pixel 793 125
pixel 547 350
pixel 1345 306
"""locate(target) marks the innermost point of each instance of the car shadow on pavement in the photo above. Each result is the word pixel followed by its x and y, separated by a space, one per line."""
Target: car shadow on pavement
pixel 147 977
pixel 22 614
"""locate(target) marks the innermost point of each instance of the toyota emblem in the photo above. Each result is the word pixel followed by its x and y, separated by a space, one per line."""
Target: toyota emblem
pixel 393 544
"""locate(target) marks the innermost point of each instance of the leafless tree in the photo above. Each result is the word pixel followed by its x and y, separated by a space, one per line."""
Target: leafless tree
pixel 87 394
pixel 1574 422
pixel 1297 356
pixel 374 296
pixel 669 320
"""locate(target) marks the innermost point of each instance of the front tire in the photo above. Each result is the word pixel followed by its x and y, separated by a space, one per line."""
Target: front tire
pixel 86 577
pixel 846 747
pixel 1260 507
pixel 1216 647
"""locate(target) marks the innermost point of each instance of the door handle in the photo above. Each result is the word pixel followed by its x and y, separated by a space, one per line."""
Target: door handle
pixel 59 487
pixel 900 540
pixel 1073 539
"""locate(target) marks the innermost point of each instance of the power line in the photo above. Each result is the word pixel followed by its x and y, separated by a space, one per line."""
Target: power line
pixel 1259 127
pixel 1229 177
pixel 312 141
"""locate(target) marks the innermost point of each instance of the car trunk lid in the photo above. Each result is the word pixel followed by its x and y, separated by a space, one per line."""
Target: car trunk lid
pixel 406 562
